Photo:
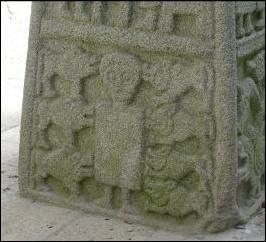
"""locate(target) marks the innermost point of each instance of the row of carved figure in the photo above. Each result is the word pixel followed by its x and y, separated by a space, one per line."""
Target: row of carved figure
pixel 148 16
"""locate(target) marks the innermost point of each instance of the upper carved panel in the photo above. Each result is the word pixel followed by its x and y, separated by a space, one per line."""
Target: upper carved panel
pixel 173 27
pixel 181 18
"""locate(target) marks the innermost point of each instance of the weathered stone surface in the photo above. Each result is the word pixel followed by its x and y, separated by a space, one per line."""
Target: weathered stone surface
pixel 152 112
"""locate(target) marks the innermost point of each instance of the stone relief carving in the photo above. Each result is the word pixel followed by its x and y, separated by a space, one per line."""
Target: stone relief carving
pixel 250 24
pixel 73 66
pixel 71 113
pixel 167 197
pixel 250 17
pixel 251 130
pixel 125 106
pixel 251 102
pixel 122 153
pixel 142 16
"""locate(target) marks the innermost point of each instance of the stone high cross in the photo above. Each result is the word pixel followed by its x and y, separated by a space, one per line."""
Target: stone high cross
pixel 149 111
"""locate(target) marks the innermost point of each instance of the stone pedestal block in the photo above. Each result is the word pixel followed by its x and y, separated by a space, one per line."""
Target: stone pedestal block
pixel 152 112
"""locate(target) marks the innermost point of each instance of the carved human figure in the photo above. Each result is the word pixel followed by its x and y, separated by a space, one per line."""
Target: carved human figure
pixel 175 139
pixel 118 154
pixel 65 11
pixel 171 81
pixel 122 16
pixel 150 15
pixel 79 10
pixel 174 85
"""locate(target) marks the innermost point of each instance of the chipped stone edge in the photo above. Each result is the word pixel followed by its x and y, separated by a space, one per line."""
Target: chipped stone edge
pixel 37 11
pixel 226 213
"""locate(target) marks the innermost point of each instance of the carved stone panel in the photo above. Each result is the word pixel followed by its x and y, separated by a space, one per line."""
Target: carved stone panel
pixel 250 103
pixel 131 109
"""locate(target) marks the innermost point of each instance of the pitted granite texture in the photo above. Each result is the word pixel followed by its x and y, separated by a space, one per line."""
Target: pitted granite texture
pixel 152 112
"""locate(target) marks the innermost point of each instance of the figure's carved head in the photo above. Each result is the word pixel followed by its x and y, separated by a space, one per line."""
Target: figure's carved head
pixel 121 73
pixel 158 74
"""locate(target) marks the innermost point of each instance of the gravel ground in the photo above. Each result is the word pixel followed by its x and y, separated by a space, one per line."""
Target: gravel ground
pixel 28 220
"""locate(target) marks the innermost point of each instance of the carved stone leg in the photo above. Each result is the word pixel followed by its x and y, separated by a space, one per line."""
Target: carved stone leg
pixel 149 20
pixel 42 141
pixel 63 9
pixel 70 137
pixel 80 13
pixel 74 190
pixel 123 14
pixel 97 8
pixel 126 202
pixel 47 86
pixel 76 89
pixel 107 200
pixel 167 17
pixel 248 24
pixel 43 171
pixel 240 26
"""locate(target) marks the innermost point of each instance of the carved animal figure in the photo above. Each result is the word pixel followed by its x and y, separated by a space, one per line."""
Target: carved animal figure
pixel 175 182
pixel 69 114
pixel 173 80
pixel 168 197
pixel 72 65
pixel 67 165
